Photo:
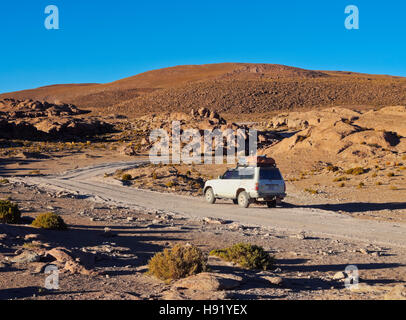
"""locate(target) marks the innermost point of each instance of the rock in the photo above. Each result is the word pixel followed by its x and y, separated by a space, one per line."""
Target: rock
pixel 339 276
pixel 38 267
pixel 30 237
pixel 300 236
pixel 75 268
pixel 174 294
pixel 277 281
pixel 26 257
pixel 397 293
pixel 209 282
pixel 128 150
pixel 214 220
pixel 60 254
pixel 108 233
pixel 235 226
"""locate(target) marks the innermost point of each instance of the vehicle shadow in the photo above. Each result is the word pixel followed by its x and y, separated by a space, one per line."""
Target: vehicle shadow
pixel 352 207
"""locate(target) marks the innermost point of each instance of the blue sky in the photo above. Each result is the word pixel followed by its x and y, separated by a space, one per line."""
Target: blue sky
pixel 103 41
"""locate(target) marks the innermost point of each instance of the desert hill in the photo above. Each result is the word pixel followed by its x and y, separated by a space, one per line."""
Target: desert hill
pixel 232 88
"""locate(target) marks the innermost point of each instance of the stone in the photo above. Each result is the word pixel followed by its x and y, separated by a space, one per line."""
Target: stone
pixel 363 251
pixel 211 220
pixel 339 276
pixel 75 268
pixel 26 257
pixel 397 293
pixel 108 233
pixel 38 267
pixel 277 281
pixel 60 254
pixel 30 237
pixel 209 282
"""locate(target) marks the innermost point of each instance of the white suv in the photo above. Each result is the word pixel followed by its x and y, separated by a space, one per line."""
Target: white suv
pixel 248 184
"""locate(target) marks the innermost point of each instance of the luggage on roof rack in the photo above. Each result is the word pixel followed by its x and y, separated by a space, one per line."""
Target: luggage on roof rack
pixel 258 161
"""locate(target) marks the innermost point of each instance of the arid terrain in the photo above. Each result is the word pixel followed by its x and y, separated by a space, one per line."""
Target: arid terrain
pixel 81 151
pixel 229 88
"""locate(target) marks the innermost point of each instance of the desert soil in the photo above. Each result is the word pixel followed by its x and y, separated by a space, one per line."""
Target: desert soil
pixel 307 261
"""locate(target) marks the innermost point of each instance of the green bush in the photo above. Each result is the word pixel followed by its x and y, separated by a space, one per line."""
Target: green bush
pixel 49 220
pixel 246 255
pixel 9 212
pixel 179 262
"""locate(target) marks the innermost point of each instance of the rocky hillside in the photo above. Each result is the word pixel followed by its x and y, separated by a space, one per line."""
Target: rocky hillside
pixel 35 120
pixel 233 88
pixel 340 135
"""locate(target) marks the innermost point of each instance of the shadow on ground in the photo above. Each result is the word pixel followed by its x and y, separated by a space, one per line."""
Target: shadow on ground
pixel 352 206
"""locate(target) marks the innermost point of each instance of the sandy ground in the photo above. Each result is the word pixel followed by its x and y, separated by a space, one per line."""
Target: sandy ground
pixel 307 264
pixel 144 222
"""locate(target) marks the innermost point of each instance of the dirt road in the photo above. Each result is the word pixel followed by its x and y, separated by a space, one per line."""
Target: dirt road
pixel 89 181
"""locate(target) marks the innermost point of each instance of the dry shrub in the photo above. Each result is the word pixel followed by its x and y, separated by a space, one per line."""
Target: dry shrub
pixel 311 191
pixel 9 212
pixel 126 177
pixel 49 220
pixel 356 171
pixel 246 255
pixel 179 262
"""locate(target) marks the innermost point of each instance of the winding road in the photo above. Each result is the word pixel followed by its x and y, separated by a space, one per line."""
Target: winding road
pixel 89 181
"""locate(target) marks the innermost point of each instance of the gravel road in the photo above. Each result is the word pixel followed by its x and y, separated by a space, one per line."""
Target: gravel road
pixel 89 181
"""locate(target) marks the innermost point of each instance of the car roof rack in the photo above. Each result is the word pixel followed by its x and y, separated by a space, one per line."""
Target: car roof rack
pixel 256 161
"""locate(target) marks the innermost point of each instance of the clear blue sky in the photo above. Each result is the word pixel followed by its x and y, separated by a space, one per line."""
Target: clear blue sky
pixel 103 41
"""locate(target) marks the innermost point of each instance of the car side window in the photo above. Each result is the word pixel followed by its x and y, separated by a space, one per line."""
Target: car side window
pixel 246 173
pixel 228 175
pixel 240 174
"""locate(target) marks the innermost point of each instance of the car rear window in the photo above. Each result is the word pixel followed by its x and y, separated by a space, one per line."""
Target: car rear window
pixel 270 174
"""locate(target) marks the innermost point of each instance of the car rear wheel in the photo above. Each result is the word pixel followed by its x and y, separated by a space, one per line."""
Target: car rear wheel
pixel 243 199
pixel 209 195
pixel 271 204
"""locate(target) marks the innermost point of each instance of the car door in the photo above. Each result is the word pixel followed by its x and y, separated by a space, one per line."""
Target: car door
pixel 246 178
pixel 228 185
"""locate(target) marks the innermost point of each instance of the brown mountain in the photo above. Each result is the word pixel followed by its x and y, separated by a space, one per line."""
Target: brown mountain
pixel 232 88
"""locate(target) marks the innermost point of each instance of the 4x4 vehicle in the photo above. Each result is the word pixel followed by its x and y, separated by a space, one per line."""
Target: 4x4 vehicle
pixel 259 181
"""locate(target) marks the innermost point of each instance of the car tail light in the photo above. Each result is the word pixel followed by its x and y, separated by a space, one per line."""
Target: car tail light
pixel 256 186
